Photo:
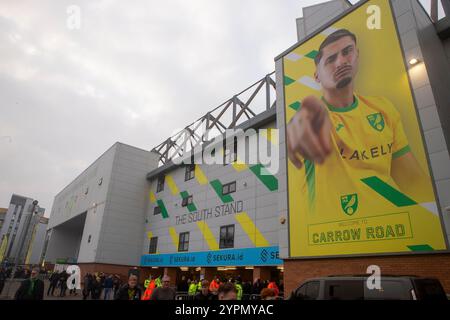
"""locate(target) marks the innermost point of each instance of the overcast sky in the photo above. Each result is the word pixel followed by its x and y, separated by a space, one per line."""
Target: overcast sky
pixel 134 72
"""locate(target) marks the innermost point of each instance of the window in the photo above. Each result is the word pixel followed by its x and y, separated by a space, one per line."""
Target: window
pixel 312 290
pixel 156 211
pixel 344 290
pixel 229 188
pixel 183 243
pixel 390 290
pixel 153 245
pixel 160 185
pixel 190 172
pixel 308 291
pixel 187 201
pixel 227 237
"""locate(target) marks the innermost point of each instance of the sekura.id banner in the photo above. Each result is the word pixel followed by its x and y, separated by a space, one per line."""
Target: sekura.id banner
pixel 372 192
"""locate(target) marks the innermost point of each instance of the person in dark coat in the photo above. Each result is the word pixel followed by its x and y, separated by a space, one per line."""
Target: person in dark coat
pixel 204 294
pixel 130 291
pixel 257 286
pixel 96 290
pixel 31 288
pixel 117 284
pixel 87 286
pixel 108 285
pixel 2 279
pixel 63 276
pixel 183 286
pixel 54 278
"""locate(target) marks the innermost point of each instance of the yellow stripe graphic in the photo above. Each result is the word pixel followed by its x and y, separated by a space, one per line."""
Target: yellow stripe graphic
pixel 152 197
pixel 208 235
pixel 172 185
pixel 268 135
pixel 174 235
pixel 251 230
pixel 30 249
pixel 200 175
pixel 3 247
pixel 239 166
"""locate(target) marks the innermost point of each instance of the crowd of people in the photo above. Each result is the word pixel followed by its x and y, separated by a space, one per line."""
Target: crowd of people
pixel 101 286
pixel 31 288
pixel 110 287
pixel 202 290
pixel 216 289
pixel 245 289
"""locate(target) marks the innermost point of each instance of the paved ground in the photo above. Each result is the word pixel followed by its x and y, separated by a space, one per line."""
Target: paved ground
pixel 12 286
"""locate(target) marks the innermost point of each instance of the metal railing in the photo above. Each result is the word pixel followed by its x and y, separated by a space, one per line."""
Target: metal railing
pixel 259 97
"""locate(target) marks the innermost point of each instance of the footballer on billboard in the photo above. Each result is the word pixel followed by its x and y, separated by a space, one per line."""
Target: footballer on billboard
pixel 358 174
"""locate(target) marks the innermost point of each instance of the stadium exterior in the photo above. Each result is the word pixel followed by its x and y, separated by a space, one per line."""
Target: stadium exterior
pixel 202 220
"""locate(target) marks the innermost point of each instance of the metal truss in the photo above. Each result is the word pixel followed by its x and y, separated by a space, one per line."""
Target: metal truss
pixel 259 97
pixel 435 8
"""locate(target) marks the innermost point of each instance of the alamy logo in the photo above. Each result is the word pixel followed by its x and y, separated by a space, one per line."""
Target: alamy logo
pixel 373 282
pixel 349 204
pixel 74 279
pixel 249 147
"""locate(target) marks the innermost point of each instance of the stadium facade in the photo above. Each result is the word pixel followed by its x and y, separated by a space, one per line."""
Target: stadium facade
pixel 137 208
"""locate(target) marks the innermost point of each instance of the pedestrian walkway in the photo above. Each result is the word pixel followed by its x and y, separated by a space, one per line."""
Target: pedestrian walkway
pixel 11 287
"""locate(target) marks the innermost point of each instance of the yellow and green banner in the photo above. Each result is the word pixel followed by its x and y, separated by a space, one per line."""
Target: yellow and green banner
pixel 373 192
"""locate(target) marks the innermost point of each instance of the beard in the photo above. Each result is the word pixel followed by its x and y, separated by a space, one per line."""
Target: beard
pixel 344 82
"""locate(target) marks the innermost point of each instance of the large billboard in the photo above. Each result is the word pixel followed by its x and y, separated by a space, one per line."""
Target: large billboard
pixel 358 175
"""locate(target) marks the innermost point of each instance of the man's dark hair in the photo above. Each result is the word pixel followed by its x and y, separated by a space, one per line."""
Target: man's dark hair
pixel 335 36
pixel 226 288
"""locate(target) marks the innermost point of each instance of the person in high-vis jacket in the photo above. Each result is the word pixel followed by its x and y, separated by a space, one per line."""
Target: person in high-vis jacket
pixel 192 291
pixel 149 289
pixel 214 285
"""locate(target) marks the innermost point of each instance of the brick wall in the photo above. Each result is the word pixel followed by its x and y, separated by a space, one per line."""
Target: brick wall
pixel 435 266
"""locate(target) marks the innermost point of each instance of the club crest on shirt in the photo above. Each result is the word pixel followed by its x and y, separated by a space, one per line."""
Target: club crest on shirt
pixel 376 121
pixel 349 204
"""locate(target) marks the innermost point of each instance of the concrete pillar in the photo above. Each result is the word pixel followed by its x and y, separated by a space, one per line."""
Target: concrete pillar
pixel 262 273
pixel 172 273
pixel 208 273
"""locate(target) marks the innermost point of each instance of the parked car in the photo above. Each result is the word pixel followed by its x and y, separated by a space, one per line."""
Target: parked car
pixel 355 288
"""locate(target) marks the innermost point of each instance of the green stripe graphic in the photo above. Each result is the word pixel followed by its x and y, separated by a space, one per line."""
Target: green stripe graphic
pixel 296 106
pixel 217 186
pixel 288 81
pixel 164 213
pixel 191 207
pixel 313 54
pixel 310 169
pixel 401 152
pixel 421 247
pixel 269 180
pixel 388 192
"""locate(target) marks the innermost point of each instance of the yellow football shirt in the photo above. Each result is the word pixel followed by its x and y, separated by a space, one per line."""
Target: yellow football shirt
pixel 366 137
pixel 352 197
